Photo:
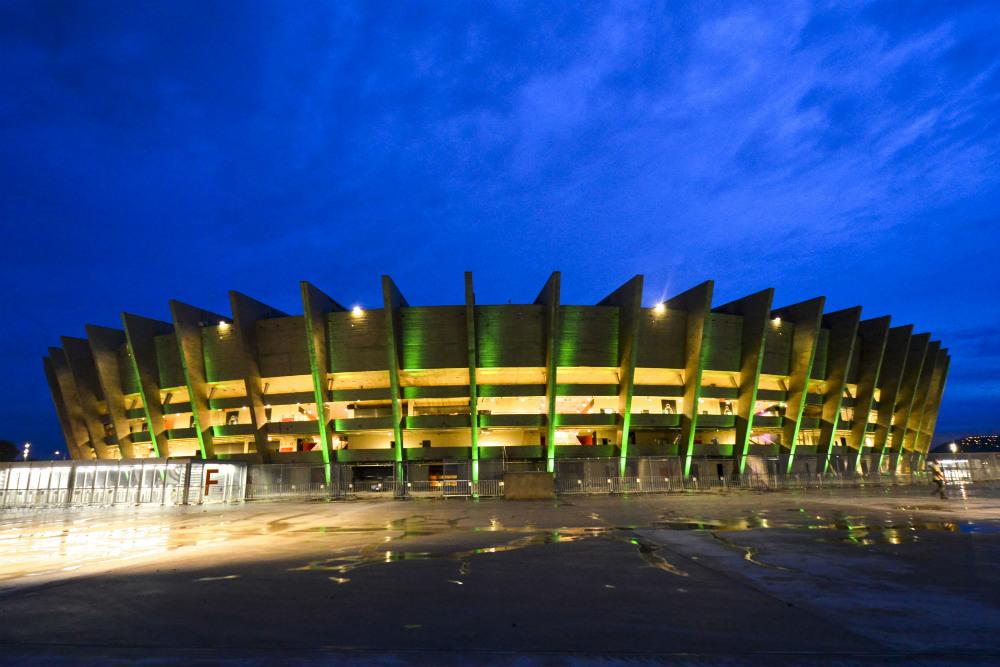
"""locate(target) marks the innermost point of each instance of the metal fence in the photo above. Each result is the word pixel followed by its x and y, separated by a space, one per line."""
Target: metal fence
pixel 445 479
pixel 371 480
pixel 288 481
pixel 124 482
pixel 179 482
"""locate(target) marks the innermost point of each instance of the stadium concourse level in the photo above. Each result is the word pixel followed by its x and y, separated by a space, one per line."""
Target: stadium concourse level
pixel 542 381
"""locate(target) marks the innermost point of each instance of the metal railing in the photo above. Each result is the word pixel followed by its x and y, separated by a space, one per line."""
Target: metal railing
pixel 488 488
pixel 443 479
pixel 172 482
pixel 275 481
pixel 602 476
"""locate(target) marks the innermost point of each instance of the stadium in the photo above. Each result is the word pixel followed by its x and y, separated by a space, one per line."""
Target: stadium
pixel 742 386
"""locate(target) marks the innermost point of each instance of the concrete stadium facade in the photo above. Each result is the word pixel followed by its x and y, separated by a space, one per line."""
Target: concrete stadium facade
pixel 473 382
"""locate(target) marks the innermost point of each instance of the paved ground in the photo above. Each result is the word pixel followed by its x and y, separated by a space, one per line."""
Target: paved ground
pixel 743 578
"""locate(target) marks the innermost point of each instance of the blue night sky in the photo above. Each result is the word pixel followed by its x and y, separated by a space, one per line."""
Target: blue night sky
pixel 151 151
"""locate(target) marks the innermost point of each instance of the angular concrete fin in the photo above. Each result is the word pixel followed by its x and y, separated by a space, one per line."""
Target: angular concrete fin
pixel 188 323
pixel 145 325
pixel 62 412
pixel 195 315
pixel 697 303
pixel 916 358
pixel 931 366
pixel 246 313
pixel 842 346
pixel 140 334
pixel 470 293
pixel 550 291
pixel 625 294
pixel 749 303
pixel 935 402
pixel 472 354
pixel 85 448
pixel 694 298
pixel 874 335
pixel 392 301
pixel 890 379
pixel 803 312
pixel 628 300
pixel 88 392
pixel 391 294
pixel 549 297
pixel 110 334
pixel 104 345
pixel 883 321
pixel 835 317
pixel 252 308
pixel 755 309
pixel 318 299
pixel 315 307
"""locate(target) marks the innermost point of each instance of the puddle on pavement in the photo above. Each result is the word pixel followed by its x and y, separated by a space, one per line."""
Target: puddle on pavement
pixel 749 553
pixel 848 529
pixel 649 552
pixel 866 535
pixel 411 526
pixel 282 524
pixel 493 526
pixel 857 529
pixel 839 527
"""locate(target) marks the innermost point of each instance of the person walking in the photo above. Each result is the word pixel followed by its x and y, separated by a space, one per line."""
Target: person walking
pixel 937 474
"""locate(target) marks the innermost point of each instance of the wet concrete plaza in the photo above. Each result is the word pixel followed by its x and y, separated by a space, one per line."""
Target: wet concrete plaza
pixel 845 577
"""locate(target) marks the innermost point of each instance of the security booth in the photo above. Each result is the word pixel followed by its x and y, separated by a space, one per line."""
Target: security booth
pixel 211 481
pixel 121 482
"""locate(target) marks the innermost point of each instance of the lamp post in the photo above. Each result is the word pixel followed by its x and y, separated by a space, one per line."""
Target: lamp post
pixel 27 451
